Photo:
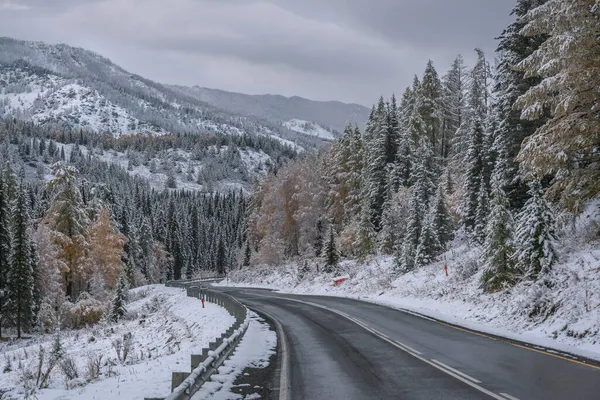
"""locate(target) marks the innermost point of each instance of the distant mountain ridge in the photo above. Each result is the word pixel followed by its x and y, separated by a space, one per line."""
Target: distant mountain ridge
pixel 331 115
pixel 67 85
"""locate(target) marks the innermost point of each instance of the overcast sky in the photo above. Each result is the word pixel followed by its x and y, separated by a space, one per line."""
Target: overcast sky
pixel 348 50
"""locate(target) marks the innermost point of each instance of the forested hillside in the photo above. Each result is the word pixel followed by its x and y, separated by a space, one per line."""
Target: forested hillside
pixel 74 225
pixel 506 157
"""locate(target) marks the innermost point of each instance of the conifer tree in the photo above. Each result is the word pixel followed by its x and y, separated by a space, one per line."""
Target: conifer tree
pixel 535 235
pixel 404 161
pixel 247 254
pixel 454 104
pixel 510 84
pixel 21 276
pixel 332 256
pixel 387 235
pixel 431 106
pixel 442 220
pixel 474 164
pixel 364 243
pixel 5 246
pixel 118 306
pixel 68 221
pixel 498 247
pixel 482 211
pixel 429 245
pixel 318 243
pixel 568 64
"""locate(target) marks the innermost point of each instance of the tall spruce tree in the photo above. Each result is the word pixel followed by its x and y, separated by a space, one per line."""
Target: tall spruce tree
pixel 429 244
pixel 482 211
pixel 21 276
pixel 454 103
pixel 319 238
pixel 5 247
pixel 431 107
pixel 510 84
pixel 474 167
pixel 119 301
pixel 442 220
pixel 498 247
pixel 568 63
pixel 332 256
pixel 535 236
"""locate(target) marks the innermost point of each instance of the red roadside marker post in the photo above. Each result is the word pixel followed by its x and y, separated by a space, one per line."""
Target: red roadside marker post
pixel 202 301
pixel 446 269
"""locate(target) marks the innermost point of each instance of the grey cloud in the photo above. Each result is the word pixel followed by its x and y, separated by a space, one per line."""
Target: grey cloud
pixel 351 50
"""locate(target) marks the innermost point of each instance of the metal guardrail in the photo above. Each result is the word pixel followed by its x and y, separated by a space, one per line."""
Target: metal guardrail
pixel 185 384
pixel 183 283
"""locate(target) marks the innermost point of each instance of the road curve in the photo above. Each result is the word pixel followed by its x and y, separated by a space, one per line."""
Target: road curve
pixel 348 349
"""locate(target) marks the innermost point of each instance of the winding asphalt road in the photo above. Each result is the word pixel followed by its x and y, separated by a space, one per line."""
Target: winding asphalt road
pixel 348 349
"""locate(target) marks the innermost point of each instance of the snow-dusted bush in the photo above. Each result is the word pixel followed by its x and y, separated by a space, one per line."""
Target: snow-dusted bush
pixel 93 364
pixel 87 311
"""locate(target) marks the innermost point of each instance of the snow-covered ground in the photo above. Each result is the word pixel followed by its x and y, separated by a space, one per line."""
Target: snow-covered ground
pixel 565 316
pixel 166 327
pixel 253 351
pixel 308 128
pixel 255 162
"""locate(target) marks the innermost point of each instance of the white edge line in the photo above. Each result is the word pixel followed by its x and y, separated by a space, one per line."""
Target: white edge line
pixel 508 396
pixel 455 371
pixel 401 347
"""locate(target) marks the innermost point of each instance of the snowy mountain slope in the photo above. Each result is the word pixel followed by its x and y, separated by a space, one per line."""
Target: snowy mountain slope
pixel 278 109
pixel 185 167
pixel 308 128
pixel 62 84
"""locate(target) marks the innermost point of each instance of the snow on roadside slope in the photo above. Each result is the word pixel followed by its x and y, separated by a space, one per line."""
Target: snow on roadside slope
pixel 561 316
pixel 253 351
pixel 167 326
pixel 308 128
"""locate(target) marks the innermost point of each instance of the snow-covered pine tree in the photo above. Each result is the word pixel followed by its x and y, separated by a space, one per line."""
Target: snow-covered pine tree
pixel 535 235
pixel 423 189
pixel 365 240
pixel 319 238
pixel 429 245
pixel 474 165
pixel 68 221
pixel 431 107
pixel 119 301
pixel 479 89
pixel 354 179
pixel 454 85
pixel 406 258
pixel 442 220
pixel 482 212
pixel 509 84
pixel 498 247
pixel 568 63
pixel 387 235
pixel 375 165
pixel 332 256
pixel 5 246
pixel 393 132
pixel 21 274
pixel 404 161
pixel 247 254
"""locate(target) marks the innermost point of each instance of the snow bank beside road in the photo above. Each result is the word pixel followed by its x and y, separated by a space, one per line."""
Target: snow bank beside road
pixel 560 316
pixel 253 351
pixel 166 327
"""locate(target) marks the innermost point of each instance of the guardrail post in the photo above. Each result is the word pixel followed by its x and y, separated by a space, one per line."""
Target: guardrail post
pixel 178 378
